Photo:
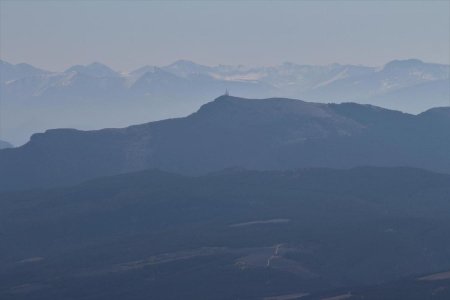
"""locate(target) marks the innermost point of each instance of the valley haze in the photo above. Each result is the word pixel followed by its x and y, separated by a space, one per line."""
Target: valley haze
pixel 252 150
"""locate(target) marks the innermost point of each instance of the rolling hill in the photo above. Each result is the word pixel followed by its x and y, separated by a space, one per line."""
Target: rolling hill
pixel 265 134
pixel 234 234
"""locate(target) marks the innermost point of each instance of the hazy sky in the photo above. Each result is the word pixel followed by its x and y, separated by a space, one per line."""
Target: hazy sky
pixel 129 34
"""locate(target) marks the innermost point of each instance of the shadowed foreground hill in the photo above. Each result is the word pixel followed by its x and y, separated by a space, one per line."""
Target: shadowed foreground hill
pixel 229 235
pixel 236 132
pixel 431 286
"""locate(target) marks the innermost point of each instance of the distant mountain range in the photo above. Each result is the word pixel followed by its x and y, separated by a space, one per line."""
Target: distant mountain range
pixel 232 132
pixel 4 145
pixel 95 96
pixel 234 234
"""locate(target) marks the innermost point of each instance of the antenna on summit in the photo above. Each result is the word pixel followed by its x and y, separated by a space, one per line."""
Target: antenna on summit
pixel 226 93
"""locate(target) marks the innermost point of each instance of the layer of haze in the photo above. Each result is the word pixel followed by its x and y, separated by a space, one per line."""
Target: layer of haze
pixel 128 34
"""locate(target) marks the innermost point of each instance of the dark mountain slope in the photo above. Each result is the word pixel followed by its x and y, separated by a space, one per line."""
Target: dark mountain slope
pixel 235 132
pixel 230 235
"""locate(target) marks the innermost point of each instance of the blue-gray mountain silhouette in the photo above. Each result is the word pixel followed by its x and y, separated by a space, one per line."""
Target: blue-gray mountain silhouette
pixel 236 132
pixel 4 145
pixel 95 96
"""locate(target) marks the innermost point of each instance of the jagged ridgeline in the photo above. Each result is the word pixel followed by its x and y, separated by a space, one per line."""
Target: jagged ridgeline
pixel 95 96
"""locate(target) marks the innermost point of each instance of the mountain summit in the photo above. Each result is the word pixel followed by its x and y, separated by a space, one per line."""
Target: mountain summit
pixel 62 99
pixel 275 133
pixel 94 69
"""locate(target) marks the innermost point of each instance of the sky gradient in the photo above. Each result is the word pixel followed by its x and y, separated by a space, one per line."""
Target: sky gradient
pixel 128 34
